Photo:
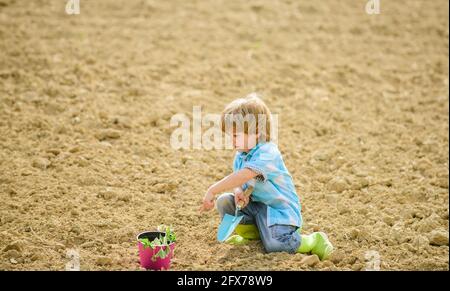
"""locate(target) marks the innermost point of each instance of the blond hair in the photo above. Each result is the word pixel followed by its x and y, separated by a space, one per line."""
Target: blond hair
pixel 250 115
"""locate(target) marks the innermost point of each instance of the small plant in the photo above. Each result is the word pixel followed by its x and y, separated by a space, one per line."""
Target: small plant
pixel 170 234
pixel 163 241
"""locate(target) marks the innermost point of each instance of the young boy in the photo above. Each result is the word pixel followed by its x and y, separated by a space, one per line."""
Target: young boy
pixel 272 212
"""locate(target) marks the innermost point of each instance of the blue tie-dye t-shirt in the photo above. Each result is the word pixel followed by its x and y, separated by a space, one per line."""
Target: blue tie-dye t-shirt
pixel 273 186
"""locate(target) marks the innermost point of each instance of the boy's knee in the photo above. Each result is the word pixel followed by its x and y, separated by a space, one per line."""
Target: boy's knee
pixel 282 239
pixel 225 204
pixel 273 246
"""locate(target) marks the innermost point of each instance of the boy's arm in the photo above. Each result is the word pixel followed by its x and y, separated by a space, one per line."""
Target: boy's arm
pixel 229 182
pixel 237 179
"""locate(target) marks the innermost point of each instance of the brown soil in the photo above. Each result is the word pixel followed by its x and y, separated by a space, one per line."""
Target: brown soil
pixel 86 100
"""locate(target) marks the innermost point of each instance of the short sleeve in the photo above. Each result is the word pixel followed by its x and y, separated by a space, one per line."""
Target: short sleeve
pixel 236 167
pixel 264 162
pixel 236 162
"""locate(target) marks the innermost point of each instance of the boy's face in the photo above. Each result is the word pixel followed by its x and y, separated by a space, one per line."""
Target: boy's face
pixel 243 142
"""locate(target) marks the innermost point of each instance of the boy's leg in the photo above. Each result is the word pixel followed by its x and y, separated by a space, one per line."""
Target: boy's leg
pixel 225 204
pixel 247 228
pixel 276 238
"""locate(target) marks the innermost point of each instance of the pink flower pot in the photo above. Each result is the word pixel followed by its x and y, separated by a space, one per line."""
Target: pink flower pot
pixel 146 254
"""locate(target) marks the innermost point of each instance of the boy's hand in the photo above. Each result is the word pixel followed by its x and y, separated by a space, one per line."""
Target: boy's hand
pixel 208 201
pixel 240 198
pixel 238 190
pixel 229 182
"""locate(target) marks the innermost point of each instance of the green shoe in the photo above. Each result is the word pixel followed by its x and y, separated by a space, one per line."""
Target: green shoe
pixel 236 240
pixel 247 231
pixel 316 243
pixel 323 247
